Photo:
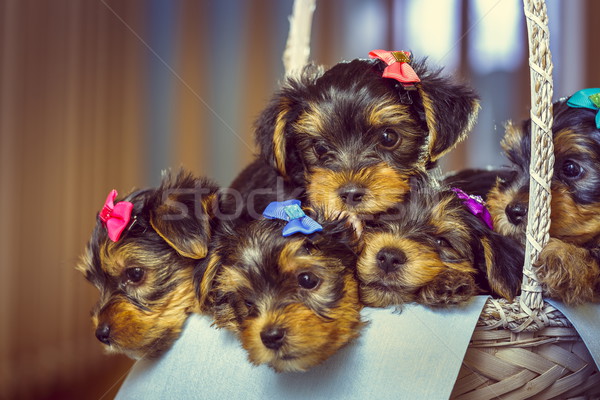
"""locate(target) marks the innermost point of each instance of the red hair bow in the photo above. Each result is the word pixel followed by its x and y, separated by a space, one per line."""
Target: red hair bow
pixel 116 217
pixel 397 66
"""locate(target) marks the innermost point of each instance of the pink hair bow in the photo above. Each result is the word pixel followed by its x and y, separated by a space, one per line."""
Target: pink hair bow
pixel 116 217
pixel 397 66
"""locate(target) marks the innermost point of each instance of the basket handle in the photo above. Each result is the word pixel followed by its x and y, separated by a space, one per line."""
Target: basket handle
pixel 297 48
pixel 542 151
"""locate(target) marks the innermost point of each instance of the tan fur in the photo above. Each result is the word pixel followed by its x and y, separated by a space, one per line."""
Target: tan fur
pixel 310 339
pixel 140 333
pixel 316 320
pixel 422 268
pixel 192 249
pixel 311 121
pixel 496 203
pixel 389 113
pixel 279 138
pixel 512 137
pixel 572 222
pixel 568 272
pixel 208 279
pixel 384 187
pixel 163 222
pixel 430 118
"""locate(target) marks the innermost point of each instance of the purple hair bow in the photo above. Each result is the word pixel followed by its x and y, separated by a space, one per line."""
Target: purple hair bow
pixel 290 211
pixel 476 205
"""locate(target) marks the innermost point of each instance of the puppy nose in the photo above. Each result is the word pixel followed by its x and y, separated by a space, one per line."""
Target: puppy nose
pixel 103 333
pixel 516 212
pixel 351 194
pixel 390 259
pixel 273 337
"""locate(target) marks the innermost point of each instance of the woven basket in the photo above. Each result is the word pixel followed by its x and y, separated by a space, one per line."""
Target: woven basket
pixel 527 348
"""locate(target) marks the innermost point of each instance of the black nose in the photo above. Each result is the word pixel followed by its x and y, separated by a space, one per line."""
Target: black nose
pixel 273 337
pixel 390 259
pixel 103 333
pixel 351 194
pixel 516 212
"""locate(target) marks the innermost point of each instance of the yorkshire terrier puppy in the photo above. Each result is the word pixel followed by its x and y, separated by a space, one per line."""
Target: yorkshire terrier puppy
pixel 435 251
pixel 141 257
pixel 568 266
pixel 291 298
pixel 350 138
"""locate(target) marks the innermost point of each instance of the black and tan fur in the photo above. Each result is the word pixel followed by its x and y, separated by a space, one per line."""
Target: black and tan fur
pixel 435 252
pixel 568 267
pixel 293 302
pixel 145 279
pixel 347 139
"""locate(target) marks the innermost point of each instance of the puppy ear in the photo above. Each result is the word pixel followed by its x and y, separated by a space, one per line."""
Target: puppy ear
pixel 450 110
pixel 503 259
pixel 516 143
pixel 271 131
pixel 181 213
pixel 204 278
pixel 272 126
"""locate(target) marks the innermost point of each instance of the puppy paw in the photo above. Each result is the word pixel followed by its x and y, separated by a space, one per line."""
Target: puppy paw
pixel 568 273
pixel 448 288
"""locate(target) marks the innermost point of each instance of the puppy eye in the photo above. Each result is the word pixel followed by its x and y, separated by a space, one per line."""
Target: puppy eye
pixel 134 275
pixel 308 280
pixel 441 242
pixel 389 139
pixel 320 149
pixel 571 169
pixel 249 304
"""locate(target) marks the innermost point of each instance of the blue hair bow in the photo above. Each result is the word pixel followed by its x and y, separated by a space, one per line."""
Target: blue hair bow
pixel 290 211
pixel 587 98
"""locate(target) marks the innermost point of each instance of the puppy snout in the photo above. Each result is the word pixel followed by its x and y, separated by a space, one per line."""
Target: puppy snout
pixel 103 333
pixel 351 194
pixel 273 337
pixel 390 259
pixel 516 212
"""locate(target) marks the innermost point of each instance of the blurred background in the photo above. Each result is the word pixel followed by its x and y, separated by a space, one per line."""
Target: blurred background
pixel 103 94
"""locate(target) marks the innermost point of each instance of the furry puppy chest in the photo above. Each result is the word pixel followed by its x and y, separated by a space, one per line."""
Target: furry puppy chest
pixel 292 301
pixel 352 137
pixel 568 266
pixel 436 252
pixel 141 257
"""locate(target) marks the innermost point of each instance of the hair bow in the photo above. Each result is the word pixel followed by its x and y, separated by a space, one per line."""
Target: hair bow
pixel 116 217
pixel 397 66
pixel 290 211
pixel 476 206
pixel 587 98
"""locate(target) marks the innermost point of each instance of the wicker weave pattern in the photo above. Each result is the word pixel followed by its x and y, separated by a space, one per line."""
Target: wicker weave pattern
pixel 550 363
pixel 503 314
pixel 527 348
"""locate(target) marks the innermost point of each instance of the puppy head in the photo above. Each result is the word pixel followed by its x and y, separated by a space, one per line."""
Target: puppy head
pixel 575 186
pixel 508 200
pixel 354 138
pixel 432 251
pixel 292 301
pixel 145 277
